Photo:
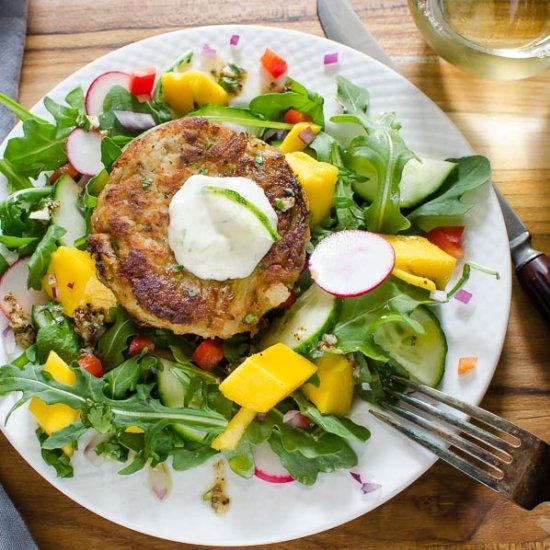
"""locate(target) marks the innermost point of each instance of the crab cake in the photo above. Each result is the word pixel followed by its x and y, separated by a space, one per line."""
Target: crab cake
pixel 129 238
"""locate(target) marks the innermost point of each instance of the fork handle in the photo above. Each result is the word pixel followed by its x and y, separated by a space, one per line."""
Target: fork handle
pixel 534 276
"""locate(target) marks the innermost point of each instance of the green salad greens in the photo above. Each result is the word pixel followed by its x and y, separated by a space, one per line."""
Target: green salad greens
pixel 142 389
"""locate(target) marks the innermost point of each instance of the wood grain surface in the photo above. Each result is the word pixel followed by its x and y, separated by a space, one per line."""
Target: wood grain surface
pixel 506 121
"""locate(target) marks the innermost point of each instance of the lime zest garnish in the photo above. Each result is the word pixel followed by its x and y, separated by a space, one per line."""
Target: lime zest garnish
pixel 239 199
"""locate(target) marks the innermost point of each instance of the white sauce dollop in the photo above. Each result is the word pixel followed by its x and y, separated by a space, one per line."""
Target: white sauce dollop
pixel 215 237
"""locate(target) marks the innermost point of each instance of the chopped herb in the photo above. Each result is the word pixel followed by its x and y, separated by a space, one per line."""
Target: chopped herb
pixel 191 293
pixel 259 160
pixel 231 78
pixel 177 268
pixel 250 318
pixel 203 170
pixel 290 191
pixel 309 247
pixel 146 183
pixel 285 204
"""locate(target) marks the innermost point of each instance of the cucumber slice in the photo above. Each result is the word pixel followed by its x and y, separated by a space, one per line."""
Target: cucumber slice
pixel 422 355
pixel 67 212
pixel 303 325
pixel 172 385
pixel 418 181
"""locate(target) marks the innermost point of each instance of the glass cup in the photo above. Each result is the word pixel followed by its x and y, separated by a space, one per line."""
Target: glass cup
pixel 501 39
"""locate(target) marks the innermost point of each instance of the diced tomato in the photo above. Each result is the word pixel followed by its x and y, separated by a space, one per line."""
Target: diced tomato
pixel 208 354
pixel 448 239
pixel 466 364
pixel 68 169
pixel 274 64
pixel 293 116
pixel 91 364
pixel 289 301
pixel 138 344
pixel 142 81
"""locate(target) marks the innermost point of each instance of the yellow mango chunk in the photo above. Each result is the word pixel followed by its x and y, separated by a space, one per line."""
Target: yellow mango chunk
pixel 318 180
pixel 72 280
pixel 335 391
pixel 230 438
pixel 418 256
pixel 182 91
pixel 266 378
pixel 293 142
pixel 415 280
pixel 52 418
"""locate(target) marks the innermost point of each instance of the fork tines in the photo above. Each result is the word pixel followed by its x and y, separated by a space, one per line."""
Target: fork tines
pixel 518 468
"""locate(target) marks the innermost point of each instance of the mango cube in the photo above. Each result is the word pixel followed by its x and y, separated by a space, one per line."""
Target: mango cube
pixel 72 280
pixel 183 90
pixel 335 391
pixel 266 378
pixel 318 180
pixel 293 142
pixel 52 418
pixel 418 256
pixel 229 439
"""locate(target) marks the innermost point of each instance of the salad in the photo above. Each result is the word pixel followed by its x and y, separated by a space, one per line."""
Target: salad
pixel 382 243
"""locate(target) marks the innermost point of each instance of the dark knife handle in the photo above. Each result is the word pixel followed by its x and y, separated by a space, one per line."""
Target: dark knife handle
pixel 534 276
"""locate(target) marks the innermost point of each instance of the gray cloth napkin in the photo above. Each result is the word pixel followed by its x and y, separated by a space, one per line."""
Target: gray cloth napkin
pixel 13 27
pixel 14 534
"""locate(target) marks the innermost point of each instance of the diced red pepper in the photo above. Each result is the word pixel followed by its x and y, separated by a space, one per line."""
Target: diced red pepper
pixel 68 169
pixel 208 354
pixel 274 64
pixel 138 344
pixel 293 116
pixel 91 364
pixel 448 239
pixel 466 364
pixel 289 301
pixel 142 81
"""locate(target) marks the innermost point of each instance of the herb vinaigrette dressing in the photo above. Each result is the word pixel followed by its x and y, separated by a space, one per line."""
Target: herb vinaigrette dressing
pixel 215 237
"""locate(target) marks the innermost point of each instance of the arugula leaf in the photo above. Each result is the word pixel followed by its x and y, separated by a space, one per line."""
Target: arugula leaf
pixel 55 332
pixel 241 459
pixel 18 110
pixel 381 155
pixel 15 242
pixel 471 173
pixel 76 99
pixel 15 211
pixel 41 148
pixel 124 378
pixel 65 436
pixel 112 345
pixel 274 106
pixel 110 152
pixel 342 427
pixel 353 99
pixel 360 317
pixel 323 145
pixel 39 261
pixel 65 117
pixel 305 470
pixel 55 457
pixel 15 180
pixel 236 115
pixel 186 459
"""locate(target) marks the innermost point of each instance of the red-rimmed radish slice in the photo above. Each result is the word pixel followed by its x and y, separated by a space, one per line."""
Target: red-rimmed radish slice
pixel 351 263
pixel 268 466
pixel 14 280
pixel 100 87
pixel 84 151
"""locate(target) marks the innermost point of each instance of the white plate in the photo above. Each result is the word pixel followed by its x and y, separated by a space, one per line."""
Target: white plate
pixel 261 512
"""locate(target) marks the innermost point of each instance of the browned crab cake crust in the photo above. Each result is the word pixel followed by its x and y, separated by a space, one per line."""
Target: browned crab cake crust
pixel 129 237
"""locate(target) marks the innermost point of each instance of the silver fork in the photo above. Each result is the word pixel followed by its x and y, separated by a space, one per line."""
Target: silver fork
pixel 518 467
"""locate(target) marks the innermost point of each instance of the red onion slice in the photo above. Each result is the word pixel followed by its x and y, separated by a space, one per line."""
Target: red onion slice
pixel 271 478
pixel 159 480
pixel 463 296
pixel 307 135
pixel 235 40
pixel 208 52
pixel 366 487
pixel 296 419
pixel 331 58
pixel 135 122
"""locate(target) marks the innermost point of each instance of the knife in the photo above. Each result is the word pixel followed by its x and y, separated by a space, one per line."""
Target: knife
pixel 341 23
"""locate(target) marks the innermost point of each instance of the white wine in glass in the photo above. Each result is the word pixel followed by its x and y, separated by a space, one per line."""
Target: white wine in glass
pixel 501 39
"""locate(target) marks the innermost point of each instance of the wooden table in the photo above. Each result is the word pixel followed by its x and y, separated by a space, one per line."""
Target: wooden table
pixel 506 121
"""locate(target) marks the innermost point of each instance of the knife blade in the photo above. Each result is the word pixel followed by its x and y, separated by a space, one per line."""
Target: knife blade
pixel 341 23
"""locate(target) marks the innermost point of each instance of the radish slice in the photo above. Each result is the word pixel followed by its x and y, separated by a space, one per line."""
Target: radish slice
pixel 268 466
pixel 351 263
pixel 84 151
pixel 100 87
pixel 14 280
